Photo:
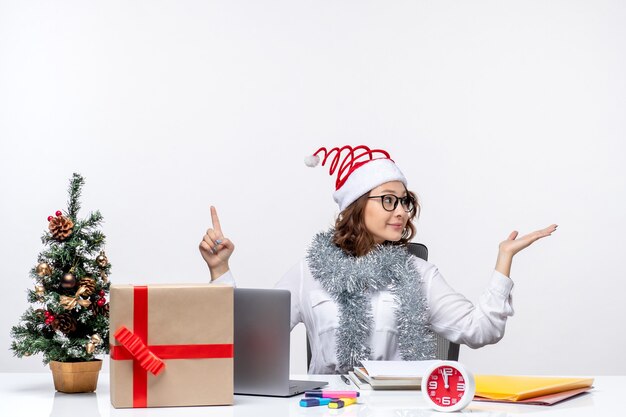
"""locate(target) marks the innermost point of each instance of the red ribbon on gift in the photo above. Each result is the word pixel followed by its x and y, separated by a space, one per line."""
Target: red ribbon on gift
pixel 149 358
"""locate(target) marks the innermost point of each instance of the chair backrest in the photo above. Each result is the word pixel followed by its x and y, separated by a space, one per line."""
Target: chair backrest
pixel 446 350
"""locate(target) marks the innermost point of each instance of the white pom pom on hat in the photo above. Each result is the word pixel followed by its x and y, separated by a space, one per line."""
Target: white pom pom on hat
pixel 360 170
pixel 312 161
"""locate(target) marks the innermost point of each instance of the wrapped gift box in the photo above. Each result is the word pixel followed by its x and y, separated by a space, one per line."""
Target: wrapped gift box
pixel 171 345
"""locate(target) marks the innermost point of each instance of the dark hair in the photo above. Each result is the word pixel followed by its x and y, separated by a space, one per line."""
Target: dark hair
pixel 352 236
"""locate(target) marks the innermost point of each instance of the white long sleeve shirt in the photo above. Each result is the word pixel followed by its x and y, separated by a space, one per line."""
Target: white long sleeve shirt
pixel 450 314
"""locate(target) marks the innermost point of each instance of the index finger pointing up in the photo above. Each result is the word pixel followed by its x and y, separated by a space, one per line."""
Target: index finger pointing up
pixel 215 220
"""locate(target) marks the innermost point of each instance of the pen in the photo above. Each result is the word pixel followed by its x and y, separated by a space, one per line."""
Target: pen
pixel 344 379
pixel 331 394
pixel 342 402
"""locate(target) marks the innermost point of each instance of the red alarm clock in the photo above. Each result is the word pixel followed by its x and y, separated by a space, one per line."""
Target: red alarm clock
pixel 448 386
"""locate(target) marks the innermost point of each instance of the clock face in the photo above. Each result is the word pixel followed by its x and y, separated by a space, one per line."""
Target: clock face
pixel 446 387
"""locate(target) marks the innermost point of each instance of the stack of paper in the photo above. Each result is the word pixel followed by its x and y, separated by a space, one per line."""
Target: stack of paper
pixel 529 389
pixel 360 381
pixel 390 374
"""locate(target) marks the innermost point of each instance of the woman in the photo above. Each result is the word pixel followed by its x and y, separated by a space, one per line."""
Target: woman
pixel 359 292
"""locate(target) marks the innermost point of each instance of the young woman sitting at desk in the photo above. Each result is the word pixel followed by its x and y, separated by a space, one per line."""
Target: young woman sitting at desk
pixel 359 292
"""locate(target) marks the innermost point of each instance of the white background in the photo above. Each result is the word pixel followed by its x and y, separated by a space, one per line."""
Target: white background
pixel 503 115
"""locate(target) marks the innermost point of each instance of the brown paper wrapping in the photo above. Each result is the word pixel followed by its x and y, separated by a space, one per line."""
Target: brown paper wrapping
pixel 181 314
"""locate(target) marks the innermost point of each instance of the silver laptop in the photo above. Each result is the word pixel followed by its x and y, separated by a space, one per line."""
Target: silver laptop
pixel 262 329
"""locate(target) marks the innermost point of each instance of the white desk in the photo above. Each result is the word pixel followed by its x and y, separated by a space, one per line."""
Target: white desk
pixel 32 394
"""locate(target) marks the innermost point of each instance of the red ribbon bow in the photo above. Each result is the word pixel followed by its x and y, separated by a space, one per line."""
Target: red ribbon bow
pixel 147 360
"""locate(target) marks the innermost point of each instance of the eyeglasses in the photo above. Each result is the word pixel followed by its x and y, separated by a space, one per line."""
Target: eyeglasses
pixel 390 202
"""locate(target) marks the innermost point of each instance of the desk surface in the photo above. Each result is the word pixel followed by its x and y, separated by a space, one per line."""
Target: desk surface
pixel 32 394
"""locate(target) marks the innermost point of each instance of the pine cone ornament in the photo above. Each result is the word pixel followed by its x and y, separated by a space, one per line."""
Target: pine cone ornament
pixel 60 227
pixel 100 310
pixel 65 323
pixel 89 284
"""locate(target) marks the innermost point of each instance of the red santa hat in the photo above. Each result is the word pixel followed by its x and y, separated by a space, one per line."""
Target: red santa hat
pixel 359 170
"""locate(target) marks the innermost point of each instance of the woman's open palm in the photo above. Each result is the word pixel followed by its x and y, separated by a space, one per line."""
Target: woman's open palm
pixel 512 244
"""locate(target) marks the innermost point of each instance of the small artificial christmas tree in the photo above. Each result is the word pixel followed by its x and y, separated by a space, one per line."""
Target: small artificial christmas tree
pixel 71 323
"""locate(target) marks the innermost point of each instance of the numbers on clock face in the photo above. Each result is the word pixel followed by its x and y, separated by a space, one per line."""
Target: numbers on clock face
pixel 446 386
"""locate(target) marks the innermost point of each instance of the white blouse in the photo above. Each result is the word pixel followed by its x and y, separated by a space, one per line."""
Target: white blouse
pixel 450 314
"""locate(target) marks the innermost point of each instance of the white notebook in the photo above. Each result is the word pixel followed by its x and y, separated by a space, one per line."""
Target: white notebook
pixel 397 369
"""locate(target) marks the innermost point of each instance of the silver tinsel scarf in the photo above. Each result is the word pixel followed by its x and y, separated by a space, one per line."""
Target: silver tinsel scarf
pixel 351 281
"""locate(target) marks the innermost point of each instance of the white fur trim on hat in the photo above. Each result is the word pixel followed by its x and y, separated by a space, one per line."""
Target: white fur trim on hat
pixel 365 178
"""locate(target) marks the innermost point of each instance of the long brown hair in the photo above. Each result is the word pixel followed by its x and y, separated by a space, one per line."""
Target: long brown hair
pixel 352 236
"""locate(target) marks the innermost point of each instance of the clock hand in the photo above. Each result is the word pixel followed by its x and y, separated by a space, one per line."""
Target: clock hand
pixel 445 378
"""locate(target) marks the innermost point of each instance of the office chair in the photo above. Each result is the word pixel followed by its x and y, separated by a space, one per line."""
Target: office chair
pixel 446 350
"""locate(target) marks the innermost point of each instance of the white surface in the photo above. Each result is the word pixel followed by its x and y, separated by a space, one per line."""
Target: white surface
pixel 502 115
pixel 34 395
